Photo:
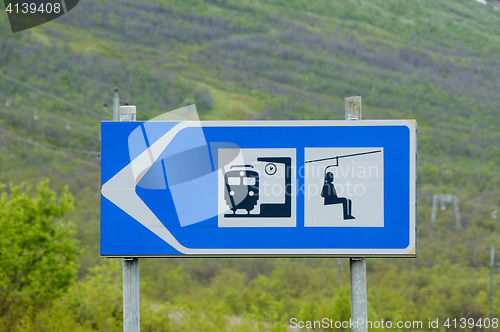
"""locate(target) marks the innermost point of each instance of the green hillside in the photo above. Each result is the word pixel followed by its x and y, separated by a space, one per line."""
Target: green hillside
pixel 434 61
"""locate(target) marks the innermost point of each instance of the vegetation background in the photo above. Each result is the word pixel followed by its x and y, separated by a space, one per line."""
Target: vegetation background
pixel 436 61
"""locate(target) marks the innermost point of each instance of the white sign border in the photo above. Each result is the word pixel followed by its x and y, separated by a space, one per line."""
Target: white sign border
pixel 120 190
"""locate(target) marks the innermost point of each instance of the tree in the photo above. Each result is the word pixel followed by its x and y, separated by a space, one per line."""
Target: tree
pixel 203 99
pixel 38 255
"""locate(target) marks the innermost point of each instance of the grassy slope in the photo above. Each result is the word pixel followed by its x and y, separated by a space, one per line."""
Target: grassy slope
pixel 434 61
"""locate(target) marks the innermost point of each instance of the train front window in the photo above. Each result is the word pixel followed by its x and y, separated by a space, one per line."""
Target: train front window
pixel 233 181
pixel 249 181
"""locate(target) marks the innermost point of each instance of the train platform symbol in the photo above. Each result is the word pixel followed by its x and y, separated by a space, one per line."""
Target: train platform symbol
pixel 242 189
pixel 258 186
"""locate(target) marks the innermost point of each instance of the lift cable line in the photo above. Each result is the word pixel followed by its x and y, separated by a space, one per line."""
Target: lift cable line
pixel 73 75
pixel 73 81
pixel 48 94
pixel 431 276
pixel 73 124
pixel 449 251
pixel 344 156
pixel 43 146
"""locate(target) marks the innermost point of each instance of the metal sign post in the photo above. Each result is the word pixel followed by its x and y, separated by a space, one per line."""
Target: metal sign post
pixel 359 307
pixel 130 266
pixel 131 311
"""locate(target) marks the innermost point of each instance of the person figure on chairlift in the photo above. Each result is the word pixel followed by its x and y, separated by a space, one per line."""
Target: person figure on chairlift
pixel 330 195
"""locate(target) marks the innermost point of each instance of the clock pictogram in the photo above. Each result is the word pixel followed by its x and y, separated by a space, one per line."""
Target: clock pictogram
pixel 270 169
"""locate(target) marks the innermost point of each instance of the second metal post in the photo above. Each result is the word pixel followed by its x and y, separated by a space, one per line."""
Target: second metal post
pixel 131 312
pixel 359 307
pixel 130 267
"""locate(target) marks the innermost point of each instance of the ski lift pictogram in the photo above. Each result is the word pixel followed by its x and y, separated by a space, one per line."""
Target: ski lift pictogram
pixel 328 192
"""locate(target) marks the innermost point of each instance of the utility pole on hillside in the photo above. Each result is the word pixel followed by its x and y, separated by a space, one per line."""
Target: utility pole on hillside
pixel 116 105
pixel 492 289
pixel 340 268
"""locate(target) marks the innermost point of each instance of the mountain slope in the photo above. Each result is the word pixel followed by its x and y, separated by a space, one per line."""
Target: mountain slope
pixel 437 62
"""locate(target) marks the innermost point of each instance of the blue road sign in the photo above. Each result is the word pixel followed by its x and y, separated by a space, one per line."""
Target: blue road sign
pixel 274 188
